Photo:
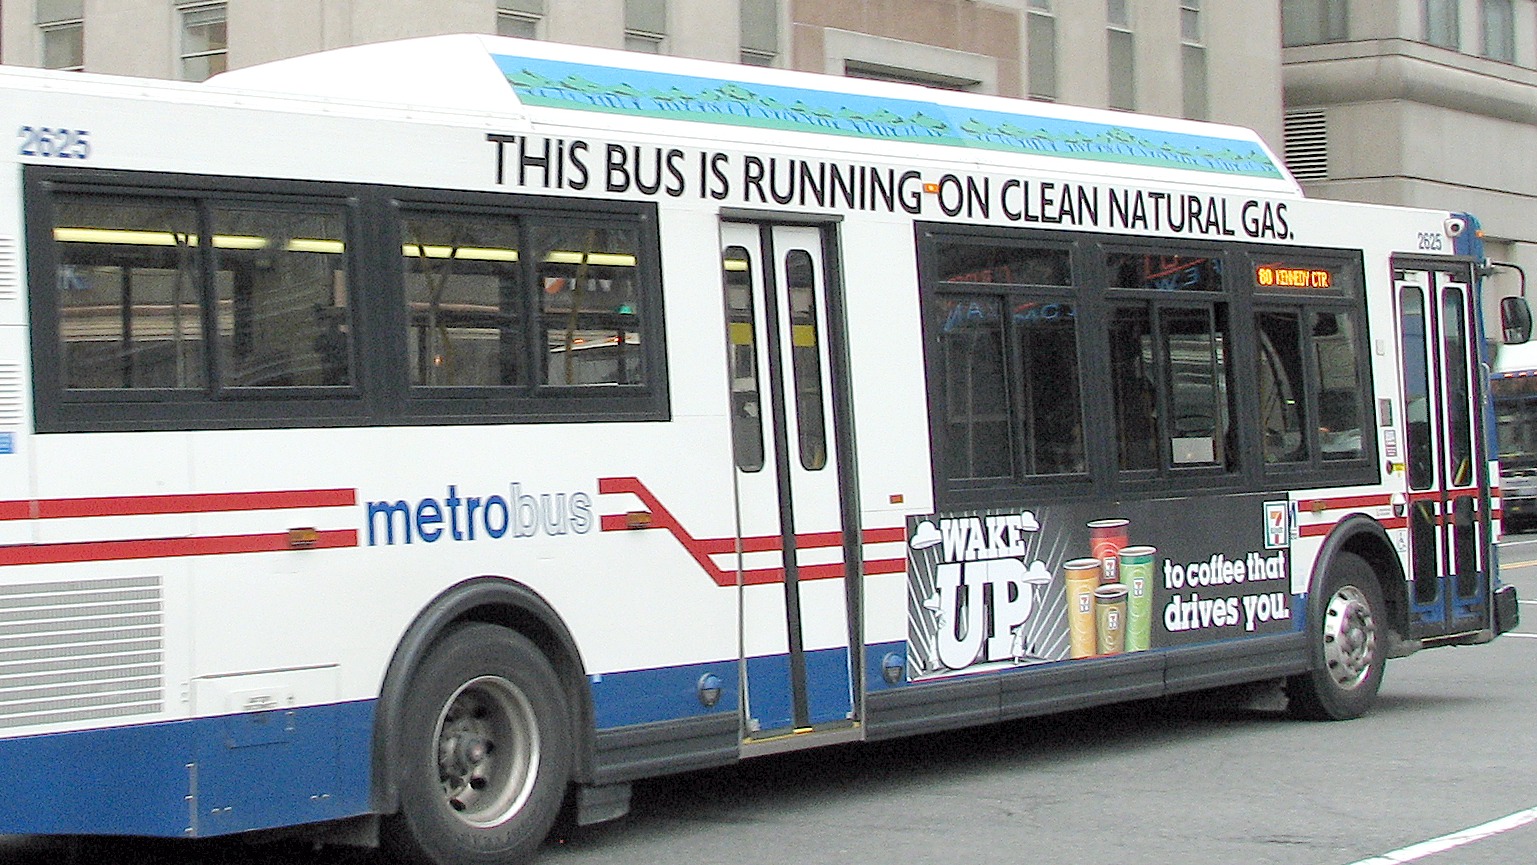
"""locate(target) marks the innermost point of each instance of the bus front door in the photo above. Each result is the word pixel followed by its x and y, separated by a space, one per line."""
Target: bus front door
pixel 795 580
pixel 1447 475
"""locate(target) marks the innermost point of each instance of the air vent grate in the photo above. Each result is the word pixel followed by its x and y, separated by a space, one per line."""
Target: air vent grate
pixel 10 269
pixel 1307 145
pixel 81 651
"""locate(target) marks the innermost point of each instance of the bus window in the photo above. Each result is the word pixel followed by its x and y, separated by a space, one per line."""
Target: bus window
pixel 1195 343
pixel 280 291
pixel 975 389
pixel 133 308
pixel 1454 348
pixel 1047 370
pixel 130 306
pixel 1164 271
pixel 589 305
pixel 806 359
pixel 1341 412
pixel 1281 387
pixel 1004 265
pixel 742 359
pixel 462 294
pixel 1421 467
pixel 1133 378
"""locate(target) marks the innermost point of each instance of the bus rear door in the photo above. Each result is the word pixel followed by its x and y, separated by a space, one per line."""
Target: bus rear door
pixel 1449 520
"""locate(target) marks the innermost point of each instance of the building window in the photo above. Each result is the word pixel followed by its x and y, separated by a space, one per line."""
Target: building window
pixel 64 45
pixel 519 18
pixel 1192 60
pixel 645 25
pixel 1441 23
pixel 204 40
pixel 1041 48
pixel 1500 30
pixel 1121 50
pixel 61 29
pixel 881 72
pixel 760 32
pixel 1309 22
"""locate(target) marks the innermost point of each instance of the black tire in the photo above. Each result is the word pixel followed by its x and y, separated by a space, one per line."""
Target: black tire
pixel 1349 649
pixel 485 752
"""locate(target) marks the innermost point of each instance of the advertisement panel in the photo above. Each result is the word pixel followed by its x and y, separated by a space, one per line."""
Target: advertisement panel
pixel 1001 589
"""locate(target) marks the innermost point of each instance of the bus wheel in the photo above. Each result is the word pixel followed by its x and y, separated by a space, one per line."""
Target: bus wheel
pixel 1348 652
pixel 485 752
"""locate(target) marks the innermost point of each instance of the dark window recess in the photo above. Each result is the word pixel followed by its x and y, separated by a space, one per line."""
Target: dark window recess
pixel 187 302
pixel 1005 338
pixel 464 300
pixel 1196 365
pixel 146 285
pixel 1341 405
pixel 806 359
pixel 1133 380
pixel 977 422
pixel 1003 265
pixel 1413 325
pixel 1172 394
pixel 1046 336
pixel 742 358
pixel 589 305
pixel 1164 271
pixel 1282 391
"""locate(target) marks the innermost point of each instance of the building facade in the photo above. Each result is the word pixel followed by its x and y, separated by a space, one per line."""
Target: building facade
pixel 1420 102
pixel 1209 60
pixel 1430 103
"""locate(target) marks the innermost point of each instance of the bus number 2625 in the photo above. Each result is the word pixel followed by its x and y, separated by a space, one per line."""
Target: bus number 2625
pixel 54 143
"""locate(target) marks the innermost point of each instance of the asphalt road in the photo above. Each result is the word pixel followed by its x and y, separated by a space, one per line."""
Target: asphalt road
pixel 1449 748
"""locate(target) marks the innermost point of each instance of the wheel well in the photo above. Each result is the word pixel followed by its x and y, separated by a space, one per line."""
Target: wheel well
pixel 488 600
pixel 1365 538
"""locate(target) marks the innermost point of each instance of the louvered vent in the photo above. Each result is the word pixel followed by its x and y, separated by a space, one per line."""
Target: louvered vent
pixel 10 394
pixel 10 269
pixel 1307 145
pixel 80 651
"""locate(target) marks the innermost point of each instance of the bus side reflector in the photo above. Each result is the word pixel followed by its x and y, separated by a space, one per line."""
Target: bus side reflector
pixel 303 538
pixel 637 520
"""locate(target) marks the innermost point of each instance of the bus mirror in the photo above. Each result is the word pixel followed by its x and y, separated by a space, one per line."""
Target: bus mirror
pixel 1515 320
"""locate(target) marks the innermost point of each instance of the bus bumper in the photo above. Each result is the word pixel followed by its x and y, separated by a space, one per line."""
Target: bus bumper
pixel 1507 613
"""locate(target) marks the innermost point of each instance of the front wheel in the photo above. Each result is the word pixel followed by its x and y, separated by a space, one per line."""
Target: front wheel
pixel 1348 649
pixel 485 752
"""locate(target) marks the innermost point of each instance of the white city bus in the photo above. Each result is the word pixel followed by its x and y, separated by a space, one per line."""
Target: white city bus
pixel 409 439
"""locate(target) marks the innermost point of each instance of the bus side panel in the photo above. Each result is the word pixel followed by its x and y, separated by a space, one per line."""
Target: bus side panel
pixel 210 776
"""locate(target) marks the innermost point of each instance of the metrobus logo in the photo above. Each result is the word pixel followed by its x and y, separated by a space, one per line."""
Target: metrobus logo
pixel 456 517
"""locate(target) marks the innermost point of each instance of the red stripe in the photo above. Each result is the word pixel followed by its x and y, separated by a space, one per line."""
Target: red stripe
pixel 1343 502
pixel 156 548
pixel 185 503
pixel 701 549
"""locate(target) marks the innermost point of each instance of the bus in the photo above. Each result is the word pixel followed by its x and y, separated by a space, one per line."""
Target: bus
pixel 1515 416
pixel 411 443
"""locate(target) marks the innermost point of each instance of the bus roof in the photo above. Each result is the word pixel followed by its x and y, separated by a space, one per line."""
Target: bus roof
pixel 530 83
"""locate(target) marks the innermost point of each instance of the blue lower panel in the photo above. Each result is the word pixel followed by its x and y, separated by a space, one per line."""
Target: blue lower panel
pixel 632 697
pixel 242 772
pixel 662 693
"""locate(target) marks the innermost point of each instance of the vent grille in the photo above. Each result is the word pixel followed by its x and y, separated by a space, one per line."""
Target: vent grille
pixel 10 269
pixel 81 651
pixel 10 394
pixel 1307 145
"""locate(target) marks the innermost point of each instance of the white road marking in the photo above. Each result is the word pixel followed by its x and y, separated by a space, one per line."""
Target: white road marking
pixel 1453 840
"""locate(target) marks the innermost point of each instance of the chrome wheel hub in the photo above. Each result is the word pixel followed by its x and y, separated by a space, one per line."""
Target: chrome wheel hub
pixel 1350 638
pixel 487 751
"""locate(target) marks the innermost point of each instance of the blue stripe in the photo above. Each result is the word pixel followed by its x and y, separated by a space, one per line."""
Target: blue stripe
pixel 257 771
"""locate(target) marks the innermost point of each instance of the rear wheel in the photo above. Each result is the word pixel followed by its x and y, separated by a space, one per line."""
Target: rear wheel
pixel 485 752
pixel 1349 640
